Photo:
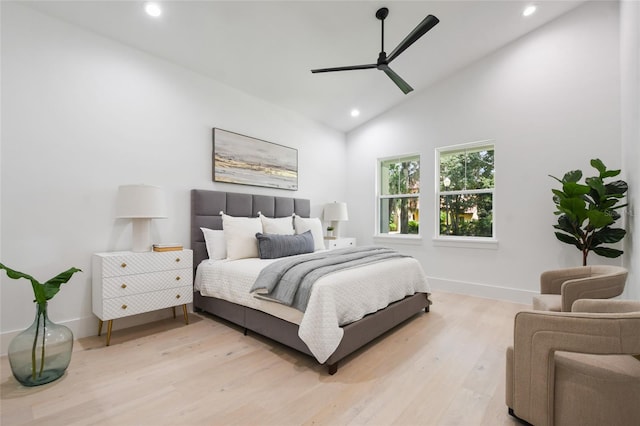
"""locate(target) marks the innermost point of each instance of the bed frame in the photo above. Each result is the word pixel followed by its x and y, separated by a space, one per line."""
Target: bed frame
pixel 205 212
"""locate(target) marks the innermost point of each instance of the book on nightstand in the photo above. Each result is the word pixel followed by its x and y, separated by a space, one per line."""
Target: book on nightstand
pixel 167 247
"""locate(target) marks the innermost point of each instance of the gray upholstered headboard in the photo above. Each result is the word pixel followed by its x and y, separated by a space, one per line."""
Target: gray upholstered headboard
pixel 207 205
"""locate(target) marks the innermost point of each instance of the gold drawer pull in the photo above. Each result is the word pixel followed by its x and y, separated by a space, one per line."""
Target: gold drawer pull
pixel 123 286
pixel 177 259
pixel 177 296
pixel 124 306
pixel 177 278
pixel 123 265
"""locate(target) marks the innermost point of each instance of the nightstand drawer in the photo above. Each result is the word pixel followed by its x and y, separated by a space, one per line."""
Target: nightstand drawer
pixel 141 283
pixel 338 243
pixel 141 263
pixel 130 305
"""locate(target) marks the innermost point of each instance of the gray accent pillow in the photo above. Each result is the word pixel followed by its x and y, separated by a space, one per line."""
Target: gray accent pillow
pixel 273 246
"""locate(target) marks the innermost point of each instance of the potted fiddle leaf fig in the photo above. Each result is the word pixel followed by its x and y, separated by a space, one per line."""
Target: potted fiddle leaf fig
pixel 41 353
pixel 587 211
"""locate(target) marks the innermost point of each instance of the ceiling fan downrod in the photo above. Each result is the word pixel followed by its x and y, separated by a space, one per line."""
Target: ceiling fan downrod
pixel 381 14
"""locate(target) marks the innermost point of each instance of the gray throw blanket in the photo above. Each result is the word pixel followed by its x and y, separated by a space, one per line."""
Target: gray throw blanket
pixel 289 280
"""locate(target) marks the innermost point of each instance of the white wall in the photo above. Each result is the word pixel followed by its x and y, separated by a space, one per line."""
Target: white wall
pixel 82 115
pixel 630 73
pixel 551 102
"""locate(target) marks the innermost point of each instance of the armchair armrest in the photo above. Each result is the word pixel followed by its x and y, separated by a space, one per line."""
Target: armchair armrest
pixel 605 306
pixel 551 281
pixel 594 287
pixel 537 335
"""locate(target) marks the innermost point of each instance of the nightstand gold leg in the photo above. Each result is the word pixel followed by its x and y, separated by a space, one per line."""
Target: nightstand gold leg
pixel 186 315
pixel 109 326
pixel 99 327
pixel 173 309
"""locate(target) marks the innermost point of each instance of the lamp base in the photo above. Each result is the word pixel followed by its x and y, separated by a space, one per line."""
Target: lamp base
pixel 141 235
pixel 336 228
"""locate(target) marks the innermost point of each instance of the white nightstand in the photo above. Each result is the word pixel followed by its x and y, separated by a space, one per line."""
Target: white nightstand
pixel 127 283
pixel 337 243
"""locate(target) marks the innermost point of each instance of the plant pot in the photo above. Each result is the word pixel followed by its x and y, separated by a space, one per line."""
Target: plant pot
pixel 42 352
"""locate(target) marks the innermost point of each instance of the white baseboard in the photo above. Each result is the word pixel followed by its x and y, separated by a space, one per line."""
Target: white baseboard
pixel 482 290
pixel 88 326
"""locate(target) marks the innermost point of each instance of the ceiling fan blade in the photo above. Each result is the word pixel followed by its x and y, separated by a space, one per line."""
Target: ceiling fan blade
pixel 403 85
pixel 427 23
pixel 347 68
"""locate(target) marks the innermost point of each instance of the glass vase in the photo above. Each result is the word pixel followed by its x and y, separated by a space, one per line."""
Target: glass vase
pixel 42 352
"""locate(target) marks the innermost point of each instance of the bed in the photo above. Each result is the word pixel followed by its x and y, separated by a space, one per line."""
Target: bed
pixel 261 316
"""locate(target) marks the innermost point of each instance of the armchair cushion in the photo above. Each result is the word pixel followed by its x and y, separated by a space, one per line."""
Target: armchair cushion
pixel 547 302
pixel 596 389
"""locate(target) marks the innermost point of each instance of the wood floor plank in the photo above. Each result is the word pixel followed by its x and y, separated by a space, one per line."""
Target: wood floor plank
pixel 445 367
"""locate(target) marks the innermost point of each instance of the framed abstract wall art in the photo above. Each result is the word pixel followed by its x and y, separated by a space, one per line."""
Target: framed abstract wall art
pixel 249 161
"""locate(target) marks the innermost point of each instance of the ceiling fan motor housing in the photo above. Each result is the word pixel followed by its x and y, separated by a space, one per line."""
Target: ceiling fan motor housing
pixel 382 13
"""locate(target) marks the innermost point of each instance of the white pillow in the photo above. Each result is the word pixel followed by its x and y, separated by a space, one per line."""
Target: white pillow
pixel 303 224
pixel 216 244
pixel 280 225
pixel 240 235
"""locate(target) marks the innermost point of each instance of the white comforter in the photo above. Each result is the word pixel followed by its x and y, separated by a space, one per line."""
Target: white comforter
pixel 336 299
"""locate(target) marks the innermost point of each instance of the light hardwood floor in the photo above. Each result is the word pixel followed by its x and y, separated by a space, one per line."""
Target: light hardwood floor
pixel 446 367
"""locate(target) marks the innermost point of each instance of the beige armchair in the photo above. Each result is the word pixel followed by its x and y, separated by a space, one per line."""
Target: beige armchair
pixel 561 287
pixel 576 368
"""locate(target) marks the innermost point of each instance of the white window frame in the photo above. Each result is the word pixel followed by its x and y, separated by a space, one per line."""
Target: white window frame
pixel 404 238
pixel 455 240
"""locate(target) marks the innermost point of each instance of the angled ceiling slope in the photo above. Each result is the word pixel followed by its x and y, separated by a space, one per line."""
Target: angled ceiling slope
pixel 267 48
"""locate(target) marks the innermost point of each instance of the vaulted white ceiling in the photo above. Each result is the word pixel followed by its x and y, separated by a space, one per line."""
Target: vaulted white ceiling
pixel 267 48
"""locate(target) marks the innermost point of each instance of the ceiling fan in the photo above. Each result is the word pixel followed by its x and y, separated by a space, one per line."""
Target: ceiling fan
pixel 383 60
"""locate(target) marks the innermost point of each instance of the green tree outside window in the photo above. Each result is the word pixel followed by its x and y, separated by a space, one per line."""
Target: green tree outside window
pixel 467 179
pixel 399 195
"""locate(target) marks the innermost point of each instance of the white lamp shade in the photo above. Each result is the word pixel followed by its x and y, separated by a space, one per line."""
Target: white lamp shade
pixel 336 211
pixel 141 201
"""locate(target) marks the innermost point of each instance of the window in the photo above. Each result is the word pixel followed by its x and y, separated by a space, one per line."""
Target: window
pixel 465 190
pixel 399 195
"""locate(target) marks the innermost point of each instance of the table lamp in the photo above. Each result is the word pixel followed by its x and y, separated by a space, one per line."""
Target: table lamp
pixel 141 203
pixel 335 213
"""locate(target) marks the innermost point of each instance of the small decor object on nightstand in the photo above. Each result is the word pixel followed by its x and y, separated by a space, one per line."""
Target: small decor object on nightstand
pixel 330 232
pixel 41 353
pixel 167 247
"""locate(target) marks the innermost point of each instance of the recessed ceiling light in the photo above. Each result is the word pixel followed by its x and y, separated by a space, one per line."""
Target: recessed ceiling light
pixel 529 10
pixel 355 112
pixel 152 9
